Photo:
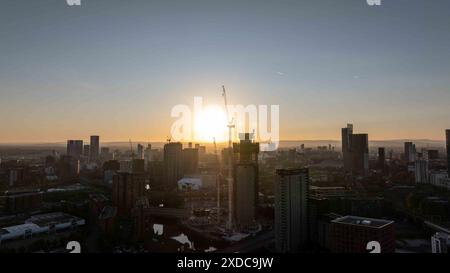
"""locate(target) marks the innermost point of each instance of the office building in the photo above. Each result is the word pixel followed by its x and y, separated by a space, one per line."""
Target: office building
pixel 127 189
pixel 355 151
pixel 75 148
pixel 291 209
pixel 421 171
pixel 360 154
pixel 190 160
pixel 86 150
pixel 68 168
pixel 95 148
pixel 173 164
pixel 138 166
pixel 346 146
pixel 140 151
pixel 352 234
pixel 410 152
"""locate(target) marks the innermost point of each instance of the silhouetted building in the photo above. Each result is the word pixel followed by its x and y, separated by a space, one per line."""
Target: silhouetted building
pixel 360 153
pixel 19 202
pixel 16 176
pixel 95 148
pixel 291 209
pixel 68 168
pixel 86 150
pixel 105 154
pixel 127 189
pixel 410 152
pixel 431 154
pixel 112 165
pixel 173 164
pixel 351 234
pixel 421 171
pixel 346 146
pixel 140 151
pixel 245 188
pixel 155 171
pixel 75 148
pixel 381 158
pixel 190 160
pixel 138 166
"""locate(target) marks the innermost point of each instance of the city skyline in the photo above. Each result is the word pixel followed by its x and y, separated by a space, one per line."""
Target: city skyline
pixel 117 70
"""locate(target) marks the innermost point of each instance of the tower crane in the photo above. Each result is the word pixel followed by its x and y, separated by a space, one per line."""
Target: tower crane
pixel 230 126
pixel 218 178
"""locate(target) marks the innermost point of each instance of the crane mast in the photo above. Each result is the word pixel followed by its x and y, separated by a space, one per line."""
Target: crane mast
pixel 230 126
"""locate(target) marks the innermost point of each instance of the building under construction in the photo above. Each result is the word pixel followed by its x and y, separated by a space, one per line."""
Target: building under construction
pixel 245 176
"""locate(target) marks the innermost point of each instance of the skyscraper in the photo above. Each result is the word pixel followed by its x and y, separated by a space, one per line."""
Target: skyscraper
pixel 410 152
pixel 86 150
pixel 346 145
pixel 75 148
pixel 173 164
pixel 355 151
pixel 291 209
pixel 245 188
pixel 447 138
pixel 95 148
pixel 360 154
pixel 140 151
pixel 421 171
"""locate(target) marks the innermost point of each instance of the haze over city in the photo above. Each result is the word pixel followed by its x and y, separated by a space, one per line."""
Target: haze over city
pixel 116 69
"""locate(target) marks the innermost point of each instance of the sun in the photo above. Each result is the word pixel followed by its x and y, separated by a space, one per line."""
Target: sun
pixel 210 124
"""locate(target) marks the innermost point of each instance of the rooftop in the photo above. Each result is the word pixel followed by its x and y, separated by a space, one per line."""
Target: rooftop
pixel 43 220
pixel 363 221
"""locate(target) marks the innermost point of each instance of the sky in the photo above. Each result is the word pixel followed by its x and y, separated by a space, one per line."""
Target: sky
pixel 116 68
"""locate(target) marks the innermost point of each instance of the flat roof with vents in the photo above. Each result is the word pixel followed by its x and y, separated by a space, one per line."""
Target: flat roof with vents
pixel 363 221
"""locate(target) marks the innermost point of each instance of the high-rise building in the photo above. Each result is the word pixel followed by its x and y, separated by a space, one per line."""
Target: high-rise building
pixel 381 158
pixel 75 148
pixel 95 148
pixel 138 166
pixel 68 168
pixel 127 189
pixel 352 234
pixel 105 154
pixel 86 150
pixel 173 164
pixel 140 151
pixel 346 146
pixel 190 160
pixel 355 151
pixel 245 187
pixel 151 155
pixel 447 141
pixel 421 171
pixel 291 209
pixel 410 152
pixel 360 153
